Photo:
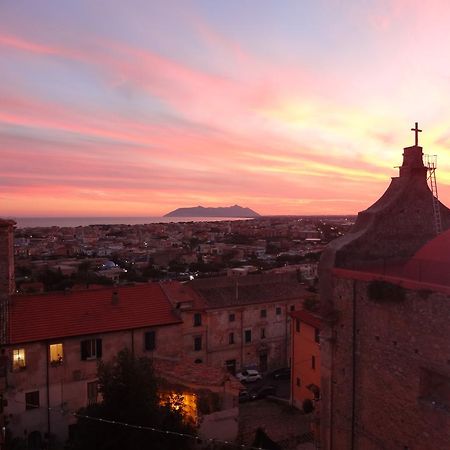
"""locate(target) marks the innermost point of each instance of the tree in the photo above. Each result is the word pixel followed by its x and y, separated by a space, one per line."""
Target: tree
pixel 129 392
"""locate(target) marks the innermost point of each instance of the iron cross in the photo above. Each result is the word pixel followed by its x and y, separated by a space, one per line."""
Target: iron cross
pixel 417 131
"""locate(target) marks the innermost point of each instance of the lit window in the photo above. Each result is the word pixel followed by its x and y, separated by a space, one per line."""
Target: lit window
pixel 18 359
pixel 91 349
pixel 185 402
pixel 92 392
pixel 32 400
pixel 56 354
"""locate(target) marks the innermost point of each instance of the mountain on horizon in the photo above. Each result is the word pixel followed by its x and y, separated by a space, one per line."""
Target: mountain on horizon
pixel 224 211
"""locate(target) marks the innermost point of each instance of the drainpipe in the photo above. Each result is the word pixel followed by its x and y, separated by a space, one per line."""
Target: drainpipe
pixel 242 338
pixel 331 390
pixel 286 331
pixel 353 365
pixel 47 380
pixel 292 364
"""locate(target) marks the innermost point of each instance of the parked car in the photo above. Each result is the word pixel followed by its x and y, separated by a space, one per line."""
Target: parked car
pixel 248 376
pixel 282 374
pixel 263 392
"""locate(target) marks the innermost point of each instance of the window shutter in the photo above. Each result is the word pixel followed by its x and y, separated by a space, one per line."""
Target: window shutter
pixel 84 350
pixel 98 344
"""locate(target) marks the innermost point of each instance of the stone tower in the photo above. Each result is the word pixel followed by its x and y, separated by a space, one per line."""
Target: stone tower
pixel 7 256
pixel 7 285
pixel 392 229
pixel 375 340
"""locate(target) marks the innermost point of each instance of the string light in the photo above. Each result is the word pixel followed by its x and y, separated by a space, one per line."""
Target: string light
pixel 141 427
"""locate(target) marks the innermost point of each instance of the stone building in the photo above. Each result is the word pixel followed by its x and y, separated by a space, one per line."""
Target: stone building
pixel 247 322
pixel 385 367
pixel 55 341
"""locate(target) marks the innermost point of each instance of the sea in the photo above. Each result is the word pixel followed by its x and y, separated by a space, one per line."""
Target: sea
pixel 32 222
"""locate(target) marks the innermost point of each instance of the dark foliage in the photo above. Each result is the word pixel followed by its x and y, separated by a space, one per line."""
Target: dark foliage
pixel 130 395
pixel 382 291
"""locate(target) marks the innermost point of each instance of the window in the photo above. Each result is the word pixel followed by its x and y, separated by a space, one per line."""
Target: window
pixel 150 341
pixel 197 320
pixel 298 382
pixel 292 308
pixel 313 362
pixel 231 317
pixel 18 359
pixel 231 338
pixel 56 354
pixel 297 325
pixel 32 400
pixel 278 311
pixel 197 343
pixel 263 313
pixel 91 349
pixel 92 392
pixel 248 336
pixel 263 333
pixel 317 335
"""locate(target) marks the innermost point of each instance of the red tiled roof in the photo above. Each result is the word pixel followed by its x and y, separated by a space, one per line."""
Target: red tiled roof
pixel 307 317
pixel 191 373
pixel 62 314
pixel 182 293
pixel 431 263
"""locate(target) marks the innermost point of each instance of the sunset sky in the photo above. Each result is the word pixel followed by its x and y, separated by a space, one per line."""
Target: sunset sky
pixel 134 108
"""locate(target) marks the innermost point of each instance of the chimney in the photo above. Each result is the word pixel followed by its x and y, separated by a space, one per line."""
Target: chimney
pixel 7 284
pixel 115 298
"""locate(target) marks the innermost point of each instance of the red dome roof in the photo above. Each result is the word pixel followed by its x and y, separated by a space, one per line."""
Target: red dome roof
pixel 431 263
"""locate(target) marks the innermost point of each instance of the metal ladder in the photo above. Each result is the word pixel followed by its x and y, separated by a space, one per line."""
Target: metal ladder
pixel 431 163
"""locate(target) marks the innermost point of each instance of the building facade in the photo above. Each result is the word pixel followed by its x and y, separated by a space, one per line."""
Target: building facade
pixel 305 367
pixel 248 319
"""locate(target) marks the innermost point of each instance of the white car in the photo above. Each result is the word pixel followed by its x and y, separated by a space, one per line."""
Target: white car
pixel 249 375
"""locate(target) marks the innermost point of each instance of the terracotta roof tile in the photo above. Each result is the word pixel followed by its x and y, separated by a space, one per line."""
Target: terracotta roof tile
pixel 63 314
pixel 251 289
pixel 307 317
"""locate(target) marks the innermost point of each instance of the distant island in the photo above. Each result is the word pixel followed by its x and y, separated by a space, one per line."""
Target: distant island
pixel 200 211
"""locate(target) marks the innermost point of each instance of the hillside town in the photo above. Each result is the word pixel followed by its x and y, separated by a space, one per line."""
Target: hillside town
pixel 275 333
pixel 58 258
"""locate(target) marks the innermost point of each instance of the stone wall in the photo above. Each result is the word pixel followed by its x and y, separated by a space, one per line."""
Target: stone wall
pixel 380 362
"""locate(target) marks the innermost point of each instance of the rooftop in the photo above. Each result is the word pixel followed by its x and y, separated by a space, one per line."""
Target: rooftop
pixel 308 317
pixel 63 314
pixel 228 291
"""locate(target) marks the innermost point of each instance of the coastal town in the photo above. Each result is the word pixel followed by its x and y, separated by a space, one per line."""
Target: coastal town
pixel 55 258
